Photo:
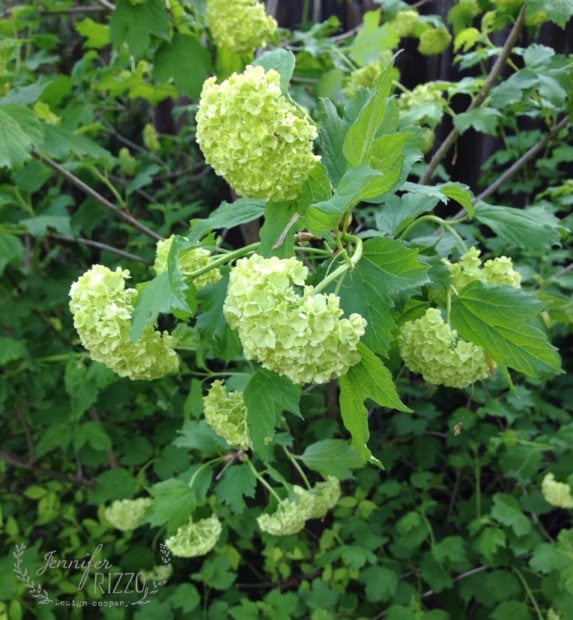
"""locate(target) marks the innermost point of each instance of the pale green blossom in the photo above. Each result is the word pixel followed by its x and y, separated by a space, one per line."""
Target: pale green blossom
pixel 102 309
pixel 300 336
pixel 226 413
pixel 127 514
pixel 432 348
pixel 254 137
pixel 498 271
pixel 557 494
pixel 195 538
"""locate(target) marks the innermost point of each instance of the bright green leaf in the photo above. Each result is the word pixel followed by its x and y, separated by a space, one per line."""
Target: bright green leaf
pixel 135 24
pixel 332 457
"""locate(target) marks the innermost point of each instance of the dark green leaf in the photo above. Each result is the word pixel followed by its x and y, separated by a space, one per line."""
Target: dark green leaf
pixel 11 251
pixel 200 436
pixel 173 503
pixel 135 24
pixel 331 140
pixel 228 215
pixel 332 457
pixel 482 119
pixel 237 482
pixel 495 318
pixel 558 11
pixel 185 61
pixel 19 132
pixel 506 510
pixel 39 226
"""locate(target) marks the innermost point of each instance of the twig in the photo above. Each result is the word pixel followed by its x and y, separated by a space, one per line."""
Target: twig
pixel 346 35
pixel 101 246
pixel 563 271
pixel 16 461
pixel 532 152
pixel 480 97
pixel 72 178
pixel 107 4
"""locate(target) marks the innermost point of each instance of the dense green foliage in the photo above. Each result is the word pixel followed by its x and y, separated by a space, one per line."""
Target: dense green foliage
pixel 335 388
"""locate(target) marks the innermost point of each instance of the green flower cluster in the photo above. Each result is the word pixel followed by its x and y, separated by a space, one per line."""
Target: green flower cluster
pixel 434 41
pixel 291 515
pixel 423 94
pixel 255 138
pixel 242 27
pixel 556 493
pixel 102 309
pixel 127 514
pixel 189 261
pixel 407 23
pixel 226 413
pixel 498 271
pixel 432 348
pixel 300 336
pixel 195 538
pixel 363 77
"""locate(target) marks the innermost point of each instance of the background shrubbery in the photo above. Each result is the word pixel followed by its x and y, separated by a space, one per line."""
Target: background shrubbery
pixel 98 160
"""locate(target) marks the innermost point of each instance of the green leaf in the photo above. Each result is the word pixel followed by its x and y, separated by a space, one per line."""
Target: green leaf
pixel 495 317
pixel 558 11
pixel 331 140
pixel 482 119
pixel 211 323
pixel 117 483
pixel 381 583
pixel 506 510
pixel 282 221
pixel 173 503
pixel 11 251
pixel 185 597
pixel 136 24
pixel 266 396
pixel 460 193
pixel 10 350
pixel 237 482
pixel 157 297
pixel 55 436
pixel 372 39
pixel 369 379
pixel 97 35
pixel 185 61
pixel 451 549
pixel 228 215
pixel 200 436
pixel 362 133
pixel 39 226
pixel 20 131
pixel 84 383
pixel 490 540
pixel 534 229
pixel 332 457
pixel 93 434
pixel 282 61
pixel 60 142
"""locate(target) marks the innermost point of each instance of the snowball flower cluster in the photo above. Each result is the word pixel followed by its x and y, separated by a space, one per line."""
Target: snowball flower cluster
pixel 300 336
pixel 255 138
pixel 423 94
pixel 406 23
pixel 102 309
pixel 226 413
pixel 556 493
pixel 498 271
pixel 432 348
pixel 127 514
pixel 434 41
pixel 291 515
pixel 189 260
pixel 363 77
pixel 195 538
pixel 240 28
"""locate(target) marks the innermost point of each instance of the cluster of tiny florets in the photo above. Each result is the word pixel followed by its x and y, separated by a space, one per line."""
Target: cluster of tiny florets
pixel 300 336
pixel 498 271
pixel 432 348
pixel 242 27
pixel 291 515
pixel 557 494
pixel 102 308
pixel 422 94
pixel 363 77
pixel 189 260
pixel 195 538
pixel 406 23
pixel 255 138
pixel 226 413
pixel 127 514
pixel 434 41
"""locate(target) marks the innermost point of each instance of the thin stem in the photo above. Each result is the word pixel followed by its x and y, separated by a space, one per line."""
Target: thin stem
pixel 101 246
pixel 343 268
pixel 527 589
pixel 291 457
pixel 260 478
pixel 477 475
pixel 448 305
pixel 224 258
pixel 201 467
pixel 480 97
pixel 72 178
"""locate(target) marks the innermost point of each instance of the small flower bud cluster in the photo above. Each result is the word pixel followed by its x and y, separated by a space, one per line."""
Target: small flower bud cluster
pixel 432 348
pixel 189 261
pixel 127 514
pixel 423 94
pixel 255 138
pixel 363 77
pixel 557 494
pixel 498 271
pixel 300 336
pixel 406 23
pixel 291 515
pixel 102 308
pixel 434 41
pixel 226 413
pixel 240 28
pixel 195 538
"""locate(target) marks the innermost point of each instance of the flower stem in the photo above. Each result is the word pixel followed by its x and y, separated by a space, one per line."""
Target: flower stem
pixel 352 262
pixel 260 478
pixel 292 459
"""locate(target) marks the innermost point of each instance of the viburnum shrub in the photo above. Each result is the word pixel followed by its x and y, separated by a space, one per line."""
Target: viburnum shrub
pixel 331 379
